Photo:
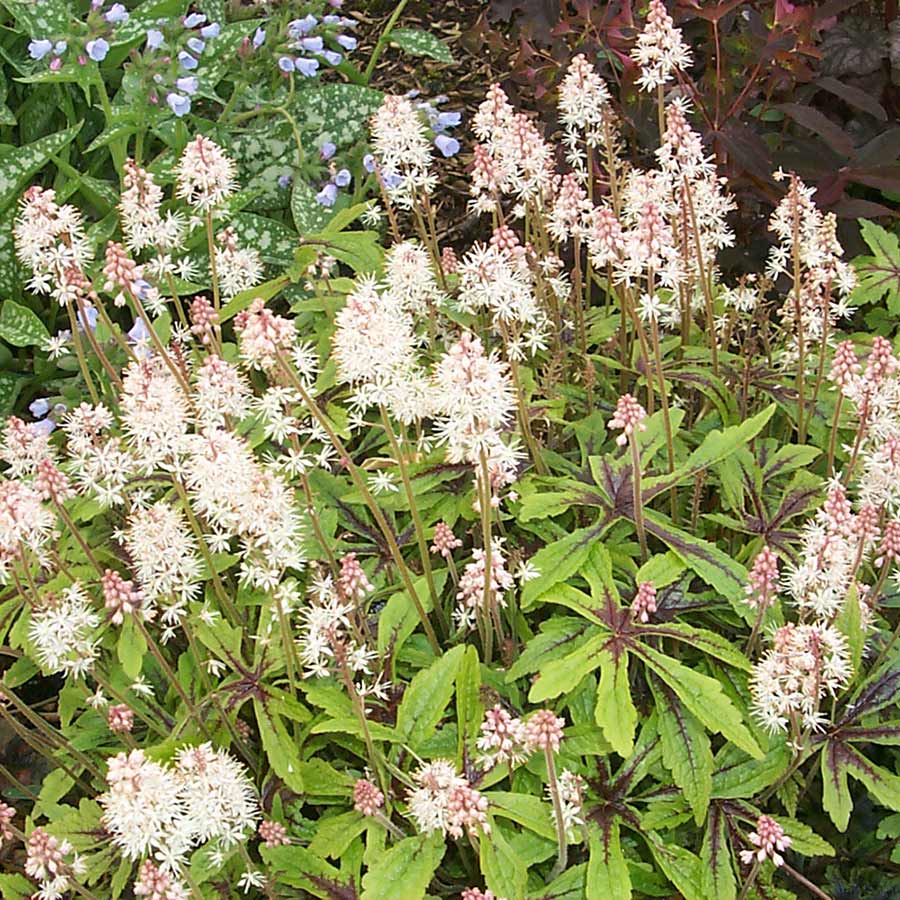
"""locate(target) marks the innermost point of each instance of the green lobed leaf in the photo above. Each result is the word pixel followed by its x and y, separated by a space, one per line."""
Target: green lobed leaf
pixel 399 618
pixel 686 750
pixel 836 799
pixel 716 446
pixel 713 565
pixel 882 784
pixel 704 640
pixel 703 696
pixel 405 871
pixel 556 563
pixel 525 809
pixel 360 250
pixel 662 569
pixel 849 622
pixel 334 834
pixel 718 870
pixel 680 866
pixel 558 636
pixel 298 867
pixel 504 870
pixel 737 777
pixel 878 275
pixel 562 675
pixel 131 648
pixel 426 698
pixel 281 749
pixel 15 887
pixel 469 706
pixel 615 712
pixel 803 839
pixel 607 871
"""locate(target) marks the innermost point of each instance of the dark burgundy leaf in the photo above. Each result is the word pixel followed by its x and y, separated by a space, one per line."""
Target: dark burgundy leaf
pixel 882 178
pixel 831 189
pixel 819 123
pixel 747 149
pixel 780 44
pixel 853 96
pixel 880 150
pixel 832 8
pixel 854 208
pixel 721 9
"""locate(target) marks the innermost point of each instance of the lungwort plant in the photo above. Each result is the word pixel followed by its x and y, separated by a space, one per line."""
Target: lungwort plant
pixel 557 566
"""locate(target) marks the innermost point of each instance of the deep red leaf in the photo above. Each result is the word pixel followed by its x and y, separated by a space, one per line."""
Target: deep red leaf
pixel 854 208
pixel 819 123
pixel 853 96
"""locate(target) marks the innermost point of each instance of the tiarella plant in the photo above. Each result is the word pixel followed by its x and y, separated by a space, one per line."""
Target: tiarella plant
pixel 349 561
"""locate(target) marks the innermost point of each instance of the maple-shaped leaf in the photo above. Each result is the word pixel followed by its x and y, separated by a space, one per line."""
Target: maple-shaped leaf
pixel 878 275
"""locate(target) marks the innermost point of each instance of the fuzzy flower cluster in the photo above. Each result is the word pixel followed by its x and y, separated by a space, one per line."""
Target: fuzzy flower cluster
pixel 444 801
pixel 504 738
pixel 475 402
pixel 660 50
pixel 834 543
pixel 571 796
pixel 64 632
pixel 511 158
pixel 205 175
pixel 585 107
pixel 328 643
pixel 468 393
pixel 479 593
pixel 806 664
pixel 204 797
pixel 808 244
pixel 51 242
pixel 769 841
pixel 53 864
pixel 499 278
pixel 659 231
pixel 402 151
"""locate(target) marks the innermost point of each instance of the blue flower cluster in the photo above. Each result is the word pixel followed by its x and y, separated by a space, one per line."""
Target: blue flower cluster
pixel 183 49
pixel 170 55
pixel 46 414
pixel 92 44
pixel 312 40
pixel 339 177
pixel 440 123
